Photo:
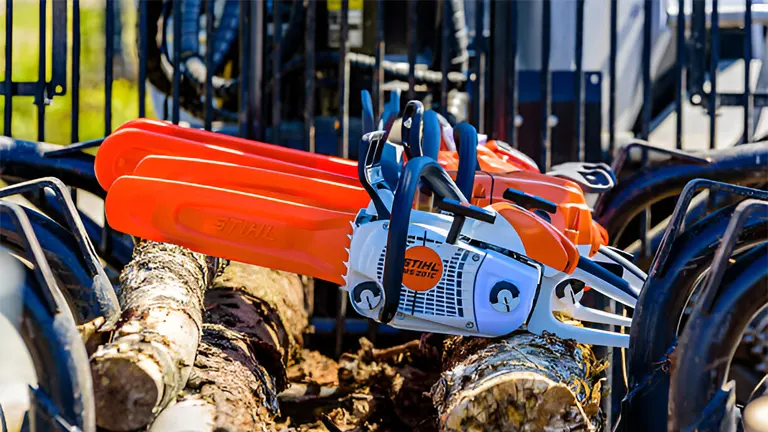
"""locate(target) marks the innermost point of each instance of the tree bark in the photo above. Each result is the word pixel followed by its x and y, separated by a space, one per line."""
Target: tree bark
pixel 154 343
pixel 254 324
pixel 523 382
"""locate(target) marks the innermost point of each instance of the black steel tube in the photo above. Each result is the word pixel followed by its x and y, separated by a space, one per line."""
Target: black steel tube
pixel 511 100
pixel 143 58
pixel 244 114
pixel 645 215
pixel 8 90
pixel 413 23
pixel 343 137
pixel 612 78
pixel 479 69
pixel 209 69
pixel 748 100
pixel 378 71
pixel 42 91
pixel 680 74
pixel 109 53
pixel 579 97
pixel 175 105
pixel 544 90
pixel 445 58
pixel 277 53
pixel 714 57
pixel 75 132
pixel 309 77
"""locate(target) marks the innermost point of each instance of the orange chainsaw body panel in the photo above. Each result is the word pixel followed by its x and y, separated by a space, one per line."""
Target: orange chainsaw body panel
pixel 288 187
pixel 250 228
pixel 122 151
pixel 542 242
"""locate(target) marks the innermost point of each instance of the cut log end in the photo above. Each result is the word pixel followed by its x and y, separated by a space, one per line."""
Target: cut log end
pixel 126 391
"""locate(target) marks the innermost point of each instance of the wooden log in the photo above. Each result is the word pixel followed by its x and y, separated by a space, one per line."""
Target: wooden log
pixel 523 382
pixel 254 324
pixel 154 343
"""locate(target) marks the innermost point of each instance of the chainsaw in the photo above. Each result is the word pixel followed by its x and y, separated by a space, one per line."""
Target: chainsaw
pixel 286 234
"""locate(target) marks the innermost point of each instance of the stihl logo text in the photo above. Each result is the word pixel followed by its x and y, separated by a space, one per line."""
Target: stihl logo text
pixel 423 268
pixel 241 228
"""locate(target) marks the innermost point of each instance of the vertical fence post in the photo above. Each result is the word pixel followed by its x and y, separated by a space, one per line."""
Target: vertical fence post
pixel 75 132
pixel 714 59
pixel 479 84
pixel 680 73
pixel 445 51
pixel 343 138
pixel 143 58
pixel 277 51
pixel 176 108
pixel 41 90
pixel 579 99
pixel 748 99
pixel 413 22
pixel 208 107
pixel 245 60
pixel 511 99
pixel 645 215
pixel 8 90
pixel 309 77
pixel 109 41
pixel 614 24
pixel 546 38
pixel 378 73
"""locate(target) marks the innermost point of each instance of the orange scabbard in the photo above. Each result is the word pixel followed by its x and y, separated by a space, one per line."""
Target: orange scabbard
pixel 122 151
pixel 251 228
pixel 336 165
pixel 288 187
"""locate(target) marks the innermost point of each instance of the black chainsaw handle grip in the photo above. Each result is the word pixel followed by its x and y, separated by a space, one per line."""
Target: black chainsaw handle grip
pixel 465 137
pixel 369 164
pixel 410 129
pixel 428 170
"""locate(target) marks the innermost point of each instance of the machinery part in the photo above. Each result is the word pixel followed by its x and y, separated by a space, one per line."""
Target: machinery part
pixel 713 331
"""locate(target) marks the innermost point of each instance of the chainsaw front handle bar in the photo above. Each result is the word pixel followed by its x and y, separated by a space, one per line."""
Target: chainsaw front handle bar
pixel 465 137
pixel 434 175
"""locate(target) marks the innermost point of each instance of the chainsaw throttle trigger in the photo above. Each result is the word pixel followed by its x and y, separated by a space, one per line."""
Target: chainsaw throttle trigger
pixel 529 202
pixel 462 211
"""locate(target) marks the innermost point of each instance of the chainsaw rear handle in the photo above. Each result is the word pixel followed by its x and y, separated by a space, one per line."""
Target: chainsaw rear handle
pixel 370 170
pixel 410 129
pixel 465 137
pixel 397 240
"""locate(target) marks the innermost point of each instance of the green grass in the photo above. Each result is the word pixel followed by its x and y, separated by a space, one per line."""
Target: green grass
pixel 58 115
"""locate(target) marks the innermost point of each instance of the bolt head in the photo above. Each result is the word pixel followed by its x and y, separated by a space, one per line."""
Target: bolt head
pixel 475 257
pixel 470 325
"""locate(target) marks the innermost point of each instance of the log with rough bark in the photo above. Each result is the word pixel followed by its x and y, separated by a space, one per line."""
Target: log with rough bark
pixel 154 343
pixel 254 324
pixel 523 382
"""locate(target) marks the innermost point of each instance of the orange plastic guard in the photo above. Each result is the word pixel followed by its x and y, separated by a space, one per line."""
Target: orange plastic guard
pixel 123 150
pixel 331 164
pixel 288 187
pixel 244 227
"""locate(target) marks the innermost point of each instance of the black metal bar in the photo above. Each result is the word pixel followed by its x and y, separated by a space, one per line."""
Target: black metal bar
pixel 680 73
pixel 697 60
pixel 59 49
pixel 759 100
pixel 245 60
pixel 343 137
pixel 41 96
pixel 75 132
pixel 511 100
pixel 253 120
pixel 309 77
pixel 546 39
pixel 209 70
pixel 378 72
pixel 445 57
pixel 645 215
pixel 748 103
pixel 277 52
pixel 579 97
pixel 176 107
pixel 109 66
pixel 714 57
pixel 612 77
pixel 143 58
pixel 479 84
pixel 8 88
pixel 413 22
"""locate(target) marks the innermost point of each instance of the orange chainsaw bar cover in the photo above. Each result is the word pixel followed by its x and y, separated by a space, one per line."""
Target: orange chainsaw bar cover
pixel 288 187
pixel 245 227
pixel 331 164
pixel 122 151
